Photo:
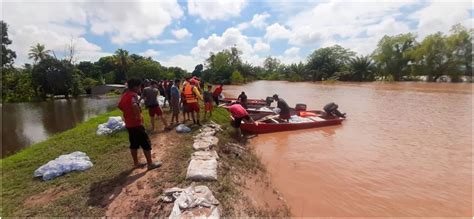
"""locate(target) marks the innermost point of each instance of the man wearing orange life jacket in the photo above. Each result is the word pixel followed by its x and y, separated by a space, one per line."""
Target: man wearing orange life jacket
pixel 192 96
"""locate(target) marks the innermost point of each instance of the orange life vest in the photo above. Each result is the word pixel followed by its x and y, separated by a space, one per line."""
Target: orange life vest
pixel 189 95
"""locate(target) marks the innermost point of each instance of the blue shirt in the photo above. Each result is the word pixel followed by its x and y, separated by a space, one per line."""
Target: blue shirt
pixel 174 93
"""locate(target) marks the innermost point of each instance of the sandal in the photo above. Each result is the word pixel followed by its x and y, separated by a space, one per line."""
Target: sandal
pixel 140 165
pixel 154 165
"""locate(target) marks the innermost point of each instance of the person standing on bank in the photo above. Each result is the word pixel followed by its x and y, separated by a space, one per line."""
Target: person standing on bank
pixel 217 92
pixel 174 95
pixel 150 95
pixel 192 96
pixel 137 136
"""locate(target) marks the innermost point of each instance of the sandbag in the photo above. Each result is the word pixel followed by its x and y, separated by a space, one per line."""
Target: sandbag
pixel 181 128
pixel 204 155
pixel 114 124
pixel 76 161
pixel 205 143
pixel 193 201
pixel 202 170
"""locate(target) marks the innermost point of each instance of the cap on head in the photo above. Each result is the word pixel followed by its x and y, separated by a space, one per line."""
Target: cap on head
pixel 275 96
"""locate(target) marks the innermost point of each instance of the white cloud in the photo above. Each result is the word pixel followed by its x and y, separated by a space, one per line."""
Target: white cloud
pixel 215 43
pixel 181 33
pixel 216 9
pixel 293 51
pixel 150 53
pixel 243 26
pixel 259 20
pixel 129 22
pixel 162 42
pixel 260 46
pixel 56 23
pixel 277 31
pixel 440 16
pixel 183 61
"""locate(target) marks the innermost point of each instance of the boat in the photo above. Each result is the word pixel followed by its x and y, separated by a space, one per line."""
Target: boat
pixel 252 103
pixel 271 123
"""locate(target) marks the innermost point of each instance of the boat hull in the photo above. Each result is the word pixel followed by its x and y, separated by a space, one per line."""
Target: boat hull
pixel 280 127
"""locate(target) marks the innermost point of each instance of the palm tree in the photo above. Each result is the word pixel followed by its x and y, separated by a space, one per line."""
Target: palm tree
pixel 362 68
pixel 38 52
pixel 122 62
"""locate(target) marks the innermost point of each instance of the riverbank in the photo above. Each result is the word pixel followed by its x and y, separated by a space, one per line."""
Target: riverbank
pixel 112 188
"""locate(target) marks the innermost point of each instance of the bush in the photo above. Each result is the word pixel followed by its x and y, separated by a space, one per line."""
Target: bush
pixel 237 78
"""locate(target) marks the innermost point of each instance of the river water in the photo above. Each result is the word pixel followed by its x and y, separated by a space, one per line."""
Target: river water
pixel 405 149
pixel 24 124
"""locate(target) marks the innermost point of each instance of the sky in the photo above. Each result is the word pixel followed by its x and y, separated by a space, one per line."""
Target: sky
pixel 183 33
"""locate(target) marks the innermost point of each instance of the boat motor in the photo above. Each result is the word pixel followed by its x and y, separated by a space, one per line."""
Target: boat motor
pixel 331 109
pixel 300 107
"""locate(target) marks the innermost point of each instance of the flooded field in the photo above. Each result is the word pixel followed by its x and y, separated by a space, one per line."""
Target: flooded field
pixel 24 124
pixel 405 149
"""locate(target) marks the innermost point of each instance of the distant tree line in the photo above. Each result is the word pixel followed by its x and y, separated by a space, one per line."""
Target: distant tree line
pixel 396 58
pixel 49 76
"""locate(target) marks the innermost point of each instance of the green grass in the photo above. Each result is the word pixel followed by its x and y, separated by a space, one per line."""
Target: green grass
pixel 112 165
pixel 108 153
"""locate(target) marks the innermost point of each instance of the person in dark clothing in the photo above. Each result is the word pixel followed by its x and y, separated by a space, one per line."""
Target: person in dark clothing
pixel 242 98
pixel 331 110
pixel 269 101
pixel 284 108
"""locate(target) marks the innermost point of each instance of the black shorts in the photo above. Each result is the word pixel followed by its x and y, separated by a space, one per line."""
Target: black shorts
pixel 139 138
pixel 238 121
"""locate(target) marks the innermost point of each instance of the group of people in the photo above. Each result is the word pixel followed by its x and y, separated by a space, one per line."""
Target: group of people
pixel 183 98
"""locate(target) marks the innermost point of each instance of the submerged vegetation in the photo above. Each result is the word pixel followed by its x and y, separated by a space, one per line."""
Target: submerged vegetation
pixel 396 58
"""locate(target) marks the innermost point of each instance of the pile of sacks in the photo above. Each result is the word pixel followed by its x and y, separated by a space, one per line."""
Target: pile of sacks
pixel 76 161
pixel 193 201
pixel 203 164
pixel 114 124
pixel 299 119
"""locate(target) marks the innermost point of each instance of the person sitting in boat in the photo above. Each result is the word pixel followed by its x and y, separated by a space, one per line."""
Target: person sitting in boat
pixel 242 99
pixel 238 114
pixel 284 108
pixel 269 101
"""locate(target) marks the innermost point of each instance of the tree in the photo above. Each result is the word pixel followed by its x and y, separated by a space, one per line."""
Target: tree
pixel 38 52
pixel 362 68
pixel 433 58
pixel 16 85
pixel 90 70
pixel 393 53
pixel 271 64
pixel 146 69
pixel 198 70
pixel 122 63
pixel 460 45
pixel 53 77
pixel 324 62
pixel 7 55
pixel 237 78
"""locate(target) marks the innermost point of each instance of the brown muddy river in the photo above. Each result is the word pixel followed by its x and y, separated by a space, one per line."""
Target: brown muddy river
pixel 405 149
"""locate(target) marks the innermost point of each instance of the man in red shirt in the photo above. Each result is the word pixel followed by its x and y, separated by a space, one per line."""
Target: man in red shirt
pixel 239 114
pixel 137 136
pixel 216 94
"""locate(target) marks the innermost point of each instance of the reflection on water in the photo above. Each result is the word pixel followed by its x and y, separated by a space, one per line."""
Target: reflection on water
pixel 405 149
pixel 24 124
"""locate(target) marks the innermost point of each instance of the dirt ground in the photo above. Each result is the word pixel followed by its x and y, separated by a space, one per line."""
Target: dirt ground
pixel 138 194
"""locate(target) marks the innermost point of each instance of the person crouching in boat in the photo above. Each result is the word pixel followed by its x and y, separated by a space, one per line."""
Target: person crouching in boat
pixel 239 114
pixel 284 108
pixel 242 99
